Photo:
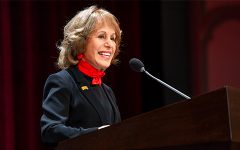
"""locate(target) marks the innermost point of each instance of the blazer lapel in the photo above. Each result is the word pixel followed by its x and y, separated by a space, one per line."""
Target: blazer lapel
pixel 86 90
pixel 113 103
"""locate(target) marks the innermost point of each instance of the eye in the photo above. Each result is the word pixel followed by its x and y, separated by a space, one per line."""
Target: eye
pixel 113 38
pixel 101 36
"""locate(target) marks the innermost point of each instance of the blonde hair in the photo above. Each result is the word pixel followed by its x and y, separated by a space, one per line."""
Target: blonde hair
pixel 77 30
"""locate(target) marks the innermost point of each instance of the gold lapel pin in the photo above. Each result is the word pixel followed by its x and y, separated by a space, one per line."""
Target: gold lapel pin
pixel 84 88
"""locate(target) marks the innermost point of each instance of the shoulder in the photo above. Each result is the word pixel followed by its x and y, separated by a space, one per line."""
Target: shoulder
pixel 60 75
pixel 60 78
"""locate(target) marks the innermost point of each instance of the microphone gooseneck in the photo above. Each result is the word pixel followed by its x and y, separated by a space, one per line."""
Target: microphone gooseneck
pixel 138 66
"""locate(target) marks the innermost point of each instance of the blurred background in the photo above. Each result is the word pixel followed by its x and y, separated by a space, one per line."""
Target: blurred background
pixel 192 45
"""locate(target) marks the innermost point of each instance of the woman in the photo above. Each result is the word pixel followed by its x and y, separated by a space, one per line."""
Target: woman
pixel 75 100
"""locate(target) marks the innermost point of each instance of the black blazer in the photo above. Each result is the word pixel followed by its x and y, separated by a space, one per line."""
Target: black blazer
pixel 70 108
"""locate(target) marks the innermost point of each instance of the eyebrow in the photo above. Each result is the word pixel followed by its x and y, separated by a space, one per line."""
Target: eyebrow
pixel 114 33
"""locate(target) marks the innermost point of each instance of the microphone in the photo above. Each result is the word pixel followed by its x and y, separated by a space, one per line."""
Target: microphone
pixel 136 65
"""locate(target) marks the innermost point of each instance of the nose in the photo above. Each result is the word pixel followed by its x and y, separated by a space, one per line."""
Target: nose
pixel 108 42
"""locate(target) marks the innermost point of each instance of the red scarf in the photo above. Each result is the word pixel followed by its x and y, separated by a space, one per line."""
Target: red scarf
pixel 90 71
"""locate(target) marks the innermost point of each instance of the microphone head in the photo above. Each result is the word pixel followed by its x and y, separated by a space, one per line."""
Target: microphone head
pixel 136 65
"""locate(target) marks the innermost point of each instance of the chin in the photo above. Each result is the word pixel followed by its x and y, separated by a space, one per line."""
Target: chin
pixel 104 67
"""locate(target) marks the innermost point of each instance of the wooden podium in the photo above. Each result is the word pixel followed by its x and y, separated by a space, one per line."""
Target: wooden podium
pixel 208 122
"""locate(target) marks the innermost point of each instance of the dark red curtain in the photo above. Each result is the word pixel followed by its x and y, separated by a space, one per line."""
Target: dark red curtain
pixel 7 99
pixel 171 37
pixel 29 31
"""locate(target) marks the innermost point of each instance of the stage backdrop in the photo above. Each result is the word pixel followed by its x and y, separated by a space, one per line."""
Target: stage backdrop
pixel 191 45
pixel 29 32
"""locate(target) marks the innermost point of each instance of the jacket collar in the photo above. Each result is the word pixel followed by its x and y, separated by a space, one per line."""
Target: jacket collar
pixel 85 88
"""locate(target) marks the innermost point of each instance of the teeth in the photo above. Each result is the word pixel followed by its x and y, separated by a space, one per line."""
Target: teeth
pixel 104 53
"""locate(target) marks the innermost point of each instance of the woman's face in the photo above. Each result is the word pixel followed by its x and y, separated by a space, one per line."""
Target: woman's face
pixel 100 47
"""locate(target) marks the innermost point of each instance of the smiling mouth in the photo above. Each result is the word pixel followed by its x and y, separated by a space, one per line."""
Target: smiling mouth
pixel 105 54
